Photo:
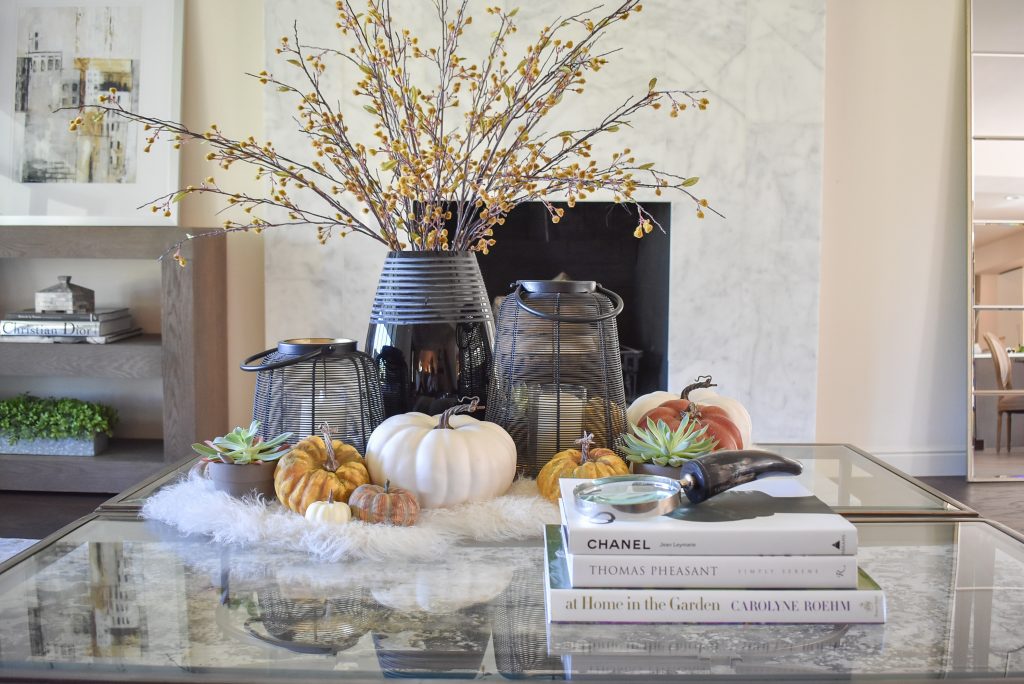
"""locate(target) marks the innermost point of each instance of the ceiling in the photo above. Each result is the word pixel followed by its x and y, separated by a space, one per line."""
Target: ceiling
pixel 998 112
pixel 987 233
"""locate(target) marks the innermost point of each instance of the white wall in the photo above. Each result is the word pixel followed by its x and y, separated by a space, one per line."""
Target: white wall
pixel 224 41
pixel 893 335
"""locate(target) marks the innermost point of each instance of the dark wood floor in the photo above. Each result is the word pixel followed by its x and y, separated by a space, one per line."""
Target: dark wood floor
pixel 999 501
pixel 30 515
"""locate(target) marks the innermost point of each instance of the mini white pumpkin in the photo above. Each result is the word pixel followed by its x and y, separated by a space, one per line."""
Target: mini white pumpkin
pixel 737 413
pixel 444 460
pixel 329 512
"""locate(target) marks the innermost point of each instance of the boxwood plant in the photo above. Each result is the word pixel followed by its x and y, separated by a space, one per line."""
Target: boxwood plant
pixel 27 417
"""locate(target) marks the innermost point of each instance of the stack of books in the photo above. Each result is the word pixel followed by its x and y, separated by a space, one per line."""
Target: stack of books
pixel 98 327
pixel 768 551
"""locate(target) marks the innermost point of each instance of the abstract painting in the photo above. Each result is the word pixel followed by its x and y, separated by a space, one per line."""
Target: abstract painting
pixel 57 56
pixel 67 57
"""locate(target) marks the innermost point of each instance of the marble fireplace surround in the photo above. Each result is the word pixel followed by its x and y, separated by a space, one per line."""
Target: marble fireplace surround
pixel 743 292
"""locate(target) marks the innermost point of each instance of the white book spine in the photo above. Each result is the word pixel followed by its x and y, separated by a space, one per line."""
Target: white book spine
pixel 617 542
pixel 716 605
pixel 814 530
pixel 63 328
pixel 697 572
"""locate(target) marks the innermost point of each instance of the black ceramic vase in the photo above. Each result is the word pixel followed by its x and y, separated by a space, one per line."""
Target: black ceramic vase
pixel 431 331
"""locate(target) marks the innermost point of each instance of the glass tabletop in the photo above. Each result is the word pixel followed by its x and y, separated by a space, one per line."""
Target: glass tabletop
pixel 852 481
pixel 135 601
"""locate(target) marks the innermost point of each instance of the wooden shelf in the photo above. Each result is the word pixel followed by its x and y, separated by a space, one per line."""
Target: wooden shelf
pixel 189 355
pixel 124 463
pixel 88 242
pixel 136 357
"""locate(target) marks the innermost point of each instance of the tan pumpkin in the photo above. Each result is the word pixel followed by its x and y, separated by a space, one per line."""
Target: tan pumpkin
pixel 311 471
pixel 388 505
pixel 586 462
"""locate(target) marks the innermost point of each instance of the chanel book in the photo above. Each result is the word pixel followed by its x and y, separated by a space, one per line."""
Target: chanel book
pixel 775 516
pixel 565 603
pixel 699 572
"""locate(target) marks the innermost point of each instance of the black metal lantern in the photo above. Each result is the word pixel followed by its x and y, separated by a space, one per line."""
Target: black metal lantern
pixel 557 368
pixel 305 382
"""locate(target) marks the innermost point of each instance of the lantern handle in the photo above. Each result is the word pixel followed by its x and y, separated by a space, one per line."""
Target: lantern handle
pixel 287 361
pixel 615 299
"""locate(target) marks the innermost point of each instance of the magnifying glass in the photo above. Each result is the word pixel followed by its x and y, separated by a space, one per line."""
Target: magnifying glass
pixel 643 496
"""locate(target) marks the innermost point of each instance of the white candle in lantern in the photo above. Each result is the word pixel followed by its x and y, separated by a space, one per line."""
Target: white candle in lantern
pixel 556 419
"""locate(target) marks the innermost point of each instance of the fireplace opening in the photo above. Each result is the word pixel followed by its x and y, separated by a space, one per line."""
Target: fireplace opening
pixel 594 241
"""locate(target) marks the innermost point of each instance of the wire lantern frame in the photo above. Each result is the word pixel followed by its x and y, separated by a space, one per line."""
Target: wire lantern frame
pixel 557 368
pixel 305 382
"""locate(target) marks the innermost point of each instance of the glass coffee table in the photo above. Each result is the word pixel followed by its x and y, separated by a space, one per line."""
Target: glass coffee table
pixel 134 601
pixel 851 481
pixel 116 597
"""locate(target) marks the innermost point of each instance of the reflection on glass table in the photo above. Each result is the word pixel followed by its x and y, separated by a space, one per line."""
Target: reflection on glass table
pixel 139 600
pixel 846 478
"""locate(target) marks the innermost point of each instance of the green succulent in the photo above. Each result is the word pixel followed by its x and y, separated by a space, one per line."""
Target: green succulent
pixel 242 446
pixel 661 445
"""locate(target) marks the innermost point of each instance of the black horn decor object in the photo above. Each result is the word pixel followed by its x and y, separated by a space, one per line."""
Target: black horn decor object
pixel 305 382
pixel 431 331
pixel 557 368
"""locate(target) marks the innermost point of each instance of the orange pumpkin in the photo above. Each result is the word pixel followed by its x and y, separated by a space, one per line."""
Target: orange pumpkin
pixel 387 504
pixel 585 462
pixel 720 425
pixel 311 471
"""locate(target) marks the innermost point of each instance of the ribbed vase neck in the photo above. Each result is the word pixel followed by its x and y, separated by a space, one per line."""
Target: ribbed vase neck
pixel 430 287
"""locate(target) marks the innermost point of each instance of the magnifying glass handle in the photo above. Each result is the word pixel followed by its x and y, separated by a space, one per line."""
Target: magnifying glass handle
pixel 714 473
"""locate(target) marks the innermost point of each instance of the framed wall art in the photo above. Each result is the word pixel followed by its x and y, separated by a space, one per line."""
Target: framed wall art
pixel 58 55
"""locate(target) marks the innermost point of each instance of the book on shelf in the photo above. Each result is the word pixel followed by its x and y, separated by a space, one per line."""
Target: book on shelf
pixel 58 328
pixel 101 314
pixel 564 603
pixel 696 572
pixel 774 516
pixel 72 339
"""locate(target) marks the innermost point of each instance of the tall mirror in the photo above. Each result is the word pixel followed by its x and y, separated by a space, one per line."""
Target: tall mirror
pixel 996 250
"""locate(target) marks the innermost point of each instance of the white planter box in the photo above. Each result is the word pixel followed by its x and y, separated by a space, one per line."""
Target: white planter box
pixel 56 447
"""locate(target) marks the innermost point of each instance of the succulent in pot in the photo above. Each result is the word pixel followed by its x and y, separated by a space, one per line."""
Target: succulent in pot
pixel 659 449
pixel 224 456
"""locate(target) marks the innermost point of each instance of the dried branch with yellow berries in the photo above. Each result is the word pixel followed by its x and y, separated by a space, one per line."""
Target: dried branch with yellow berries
pixel 456 144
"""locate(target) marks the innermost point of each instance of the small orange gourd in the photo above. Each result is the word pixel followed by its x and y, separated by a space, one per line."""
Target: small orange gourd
pixel 388 505
pixel 586 463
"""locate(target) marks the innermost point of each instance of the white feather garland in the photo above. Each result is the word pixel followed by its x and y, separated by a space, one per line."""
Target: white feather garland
pixel 193 506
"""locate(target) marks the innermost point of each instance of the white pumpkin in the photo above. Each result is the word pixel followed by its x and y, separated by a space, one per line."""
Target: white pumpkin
pixel 737 413
pixel 329 512
pixel 443 587
pixel 444 460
